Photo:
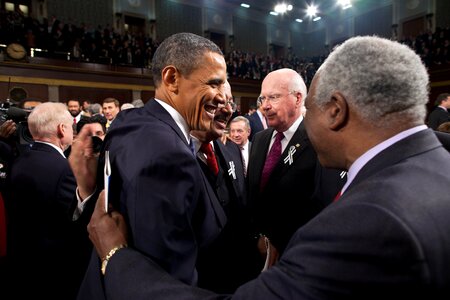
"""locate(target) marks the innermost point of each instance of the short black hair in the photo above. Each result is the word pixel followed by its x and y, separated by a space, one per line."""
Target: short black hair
pixel 182 50
pixel 440 98
pixel 94 119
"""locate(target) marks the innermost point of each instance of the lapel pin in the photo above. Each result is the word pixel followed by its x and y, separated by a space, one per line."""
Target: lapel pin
pixel 231 170
pixel 290 156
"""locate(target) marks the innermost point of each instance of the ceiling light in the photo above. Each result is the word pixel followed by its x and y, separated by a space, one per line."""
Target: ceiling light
pixel 311 11
pixel 316 19
pixel 273 13
pixel 283 8
pixel 345 3
pixel 245 5
pixel 299 20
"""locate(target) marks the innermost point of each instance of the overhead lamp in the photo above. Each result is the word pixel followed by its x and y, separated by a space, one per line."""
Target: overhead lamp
pixel 316 19
pixel 345 3
pixel 245 5
pixel 273 13
pixel 311 11
pixel 299 20
pixel 283 8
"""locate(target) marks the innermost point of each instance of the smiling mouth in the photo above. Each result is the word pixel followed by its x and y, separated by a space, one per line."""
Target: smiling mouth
pixel 211 110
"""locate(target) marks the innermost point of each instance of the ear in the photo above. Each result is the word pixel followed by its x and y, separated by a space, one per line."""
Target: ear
pixel 170 78
pixel 337 111
pixel 60 130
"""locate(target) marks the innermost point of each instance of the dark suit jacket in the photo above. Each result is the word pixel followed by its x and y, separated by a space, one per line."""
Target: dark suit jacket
pixel 232 250
pixel 40 211
pixel 295 192
pixel 444 138
pixel 157 184
pixel 437 117
pixel 386 237
pixel 255 124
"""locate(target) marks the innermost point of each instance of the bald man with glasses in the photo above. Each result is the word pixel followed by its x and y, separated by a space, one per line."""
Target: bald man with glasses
pixel 288 188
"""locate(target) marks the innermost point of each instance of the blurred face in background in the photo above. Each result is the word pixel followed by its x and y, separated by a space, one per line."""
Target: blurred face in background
pixel 239 132
pixel 74 107
pixel 110 110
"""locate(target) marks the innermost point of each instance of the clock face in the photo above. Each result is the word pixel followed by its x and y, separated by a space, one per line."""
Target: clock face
pixel 134 3
pixel 16 51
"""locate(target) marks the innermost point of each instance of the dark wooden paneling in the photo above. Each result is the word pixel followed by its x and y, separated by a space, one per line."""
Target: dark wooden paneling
pixel 39 91
pixel 93 94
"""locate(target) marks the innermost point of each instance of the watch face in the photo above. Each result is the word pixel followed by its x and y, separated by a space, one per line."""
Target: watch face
pixel 16 51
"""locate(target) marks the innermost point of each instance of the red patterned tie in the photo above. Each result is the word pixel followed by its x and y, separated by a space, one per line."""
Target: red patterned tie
pixel 272 159
pixel 338 195
pixel 210 157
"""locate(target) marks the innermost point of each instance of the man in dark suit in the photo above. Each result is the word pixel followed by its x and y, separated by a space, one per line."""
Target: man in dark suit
pixel 258 121
pixel 239 133
pixel 42 210
pixel 156 181
pixel 293 192
pixel 440 113
pixel 218 263
pixel 386 236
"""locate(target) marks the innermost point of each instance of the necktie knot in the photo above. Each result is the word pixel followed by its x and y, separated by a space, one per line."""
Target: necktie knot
pixel 278 137
pixel 211 161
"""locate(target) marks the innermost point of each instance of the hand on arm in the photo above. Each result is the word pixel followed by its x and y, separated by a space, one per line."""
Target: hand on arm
pixel 106 230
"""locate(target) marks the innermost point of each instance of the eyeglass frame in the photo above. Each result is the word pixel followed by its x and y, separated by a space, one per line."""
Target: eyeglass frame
pixel 273 98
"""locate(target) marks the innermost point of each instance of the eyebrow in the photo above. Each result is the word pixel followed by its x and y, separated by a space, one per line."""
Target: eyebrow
pixel 216 81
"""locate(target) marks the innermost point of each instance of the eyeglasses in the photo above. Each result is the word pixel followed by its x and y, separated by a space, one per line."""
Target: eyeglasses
pixel 273 99
pixel 227 103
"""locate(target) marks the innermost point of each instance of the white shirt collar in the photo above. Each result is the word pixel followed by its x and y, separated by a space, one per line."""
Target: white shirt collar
pixel 177 118
pixel 288 134
pixel 361 161
pixel 55 147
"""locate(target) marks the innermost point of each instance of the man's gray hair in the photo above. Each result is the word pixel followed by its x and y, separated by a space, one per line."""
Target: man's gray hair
pixel 243 119
pixel 94 109
pixel 44 119
pixel 182 50
pixel 383 79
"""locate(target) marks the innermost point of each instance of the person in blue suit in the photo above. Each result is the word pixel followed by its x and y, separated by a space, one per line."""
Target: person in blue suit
pixel 155 181
pixel 387 234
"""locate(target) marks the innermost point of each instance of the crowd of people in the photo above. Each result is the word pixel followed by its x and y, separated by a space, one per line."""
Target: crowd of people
pixel 340 193
pixel 103 44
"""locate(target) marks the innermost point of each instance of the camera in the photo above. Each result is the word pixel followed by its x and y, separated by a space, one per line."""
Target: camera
pixel 18 116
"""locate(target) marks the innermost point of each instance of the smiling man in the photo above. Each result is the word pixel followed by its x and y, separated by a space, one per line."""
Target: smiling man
pixel 156 181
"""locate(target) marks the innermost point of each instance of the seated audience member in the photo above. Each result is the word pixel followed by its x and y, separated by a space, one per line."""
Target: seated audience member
pixel 45 213
pixel 386 236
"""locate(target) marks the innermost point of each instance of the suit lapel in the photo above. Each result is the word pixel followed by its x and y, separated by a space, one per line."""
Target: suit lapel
pixel 415 144
pixel 155 109
pixel 293 151
pixel 231 164
pixel 258 154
